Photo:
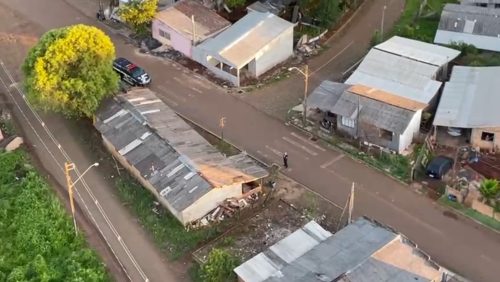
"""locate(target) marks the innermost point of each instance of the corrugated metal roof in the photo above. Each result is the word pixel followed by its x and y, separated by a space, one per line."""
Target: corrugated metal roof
pixel 178 17
pixel 241 43
pixel 379 114
pixel 326 95
pixel 173 157
pixel 419 51
pixel 470 99
pixel 364 251
pixel 470 24
pixel 477 2
pixel 386 97
pixel 397 75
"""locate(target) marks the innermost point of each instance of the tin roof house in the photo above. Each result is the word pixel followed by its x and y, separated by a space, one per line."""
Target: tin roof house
pixel 470 102
pixel 176 164
pixel 363 251
pixel 185 24
pixel 372 115
pixel 250 47
pixel 470 24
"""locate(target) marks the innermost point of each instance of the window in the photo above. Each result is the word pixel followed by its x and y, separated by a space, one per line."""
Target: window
pixel 385 134
pixel 487 136
pixel 348 122
pixel 164 34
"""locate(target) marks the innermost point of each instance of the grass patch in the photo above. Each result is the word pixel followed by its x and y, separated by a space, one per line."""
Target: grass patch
pixel 420 27
pixel 37 235
pixel 484 219
pixel 167 231
pixel 7 127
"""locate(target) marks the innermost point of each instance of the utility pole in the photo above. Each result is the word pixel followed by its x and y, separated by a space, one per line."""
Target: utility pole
pixel 68 167
pixel 222 123
pixel 382 23
pixel 351 204
pixel 305 73
pixel 194 30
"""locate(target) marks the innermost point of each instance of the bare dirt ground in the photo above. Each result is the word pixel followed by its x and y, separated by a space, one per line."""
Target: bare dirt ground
pixel 16 37
pixel 289 207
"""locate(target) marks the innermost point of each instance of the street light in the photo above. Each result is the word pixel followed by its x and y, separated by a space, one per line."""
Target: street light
pixel 70 184
pixel 305 73
pixel 382 23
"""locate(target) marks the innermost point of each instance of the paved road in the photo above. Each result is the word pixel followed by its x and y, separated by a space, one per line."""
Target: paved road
pixel 456 243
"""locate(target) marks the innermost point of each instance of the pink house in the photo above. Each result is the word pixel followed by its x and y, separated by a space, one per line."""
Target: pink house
pixel 186 24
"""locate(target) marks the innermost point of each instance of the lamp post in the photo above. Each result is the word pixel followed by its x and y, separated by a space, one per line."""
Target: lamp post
pixel 305 73
pixel 382 23
pixel 68 167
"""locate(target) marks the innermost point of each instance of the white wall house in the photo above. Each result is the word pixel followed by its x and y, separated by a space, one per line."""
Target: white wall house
pixel 249 48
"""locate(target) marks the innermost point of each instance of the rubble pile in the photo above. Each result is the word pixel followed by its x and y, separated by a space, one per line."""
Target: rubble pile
pixel 226 209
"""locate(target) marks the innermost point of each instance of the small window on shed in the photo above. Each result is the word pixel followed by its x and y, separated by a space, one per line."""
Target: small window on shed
pixel 385 134
pixel 348 122
pixel 487 136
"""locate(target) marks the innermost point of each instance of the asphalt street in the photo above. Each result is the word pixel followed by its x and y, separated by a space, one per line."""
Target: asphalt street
pixel 455 242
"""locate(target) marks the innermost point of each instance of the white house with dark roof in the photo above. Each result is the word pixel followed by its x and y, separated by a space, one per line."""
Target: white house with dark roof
pixel 250 47
pixel 468 24
pixel 176 164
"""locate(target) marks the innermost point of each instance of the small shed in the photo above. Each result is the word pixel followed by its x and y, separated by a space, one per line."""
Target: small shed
pixel 185 24
pixel 470 101
pixel 363 251
pixel 174 162
pixel 253 45
pixel 469 24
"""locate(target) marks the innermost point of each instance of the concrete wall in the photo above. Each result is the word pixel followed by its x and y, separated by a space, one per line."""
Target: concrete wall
pixel 201 55
pixel 274 53
pixel 210 201
pixel 411 131
pixel 476 141
pixel 177 40
pixel 137 175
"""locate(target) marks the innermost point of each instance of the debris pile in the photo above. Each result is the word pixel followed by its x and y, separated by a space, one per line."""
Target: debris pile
pixel 226 209
pixel 309 46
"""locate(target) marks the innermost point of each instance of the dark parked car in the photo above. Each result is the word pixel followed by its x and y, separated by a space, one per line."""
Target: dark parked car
pixel 131 73
pixel 438 167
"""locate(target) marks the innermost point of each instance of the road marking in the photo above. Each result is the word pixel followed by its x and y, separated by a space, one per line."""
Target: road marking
pixel 311 152
pixel 332 58
pixel 262 153
pixel 308 141
pixel 336 159
pixel 197 90
pixel 170 96
pixel 275 151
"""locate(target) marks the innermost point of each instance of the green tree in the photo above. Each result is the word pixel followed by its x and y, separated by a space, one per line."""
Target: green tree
pixel 489 189
pixel 138 13
pixel 328 12
pixel 235 3
pixel 219 267
pixel 70 70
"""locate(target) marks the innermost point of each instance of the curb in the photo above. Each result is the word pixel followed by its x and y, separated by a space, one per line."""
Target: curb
pixel 469 217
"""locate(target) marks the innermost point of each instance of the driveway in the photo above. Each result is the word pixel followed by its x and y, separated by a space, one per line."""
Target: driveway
pixel 455 242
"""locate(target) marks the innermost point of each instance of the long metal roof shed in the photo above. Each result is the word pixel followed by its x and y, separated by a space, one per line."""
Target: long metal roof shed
pixel 364 251
pixel 470 99
pixel 242 42
pixel 167 152
pixel 478 26
pixel 419 51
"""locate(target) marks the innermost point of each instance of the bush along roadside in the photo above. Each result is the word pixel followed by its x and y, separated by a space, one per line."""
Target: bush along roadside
pixel 166 230
pixel 37 235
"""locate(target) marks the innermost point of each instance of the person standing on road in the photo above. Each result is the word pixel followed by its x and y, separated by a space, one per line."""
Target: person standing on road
pixel 285 159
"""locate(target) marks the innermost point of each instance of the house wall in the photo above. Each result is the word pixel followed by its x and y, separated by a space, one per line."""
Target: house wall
pixel 137 175
pixel 210 201
pixel 480 41
pixel 177 40
pixel 345 129
pixel 411 131
pixel 476 141
pixel 274 53
pixel 201 55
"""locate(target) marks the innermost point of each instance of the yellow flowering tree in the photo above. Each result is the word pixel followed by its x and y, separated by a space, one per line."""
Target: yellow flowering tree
pixel 138 13
pixel 70 71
